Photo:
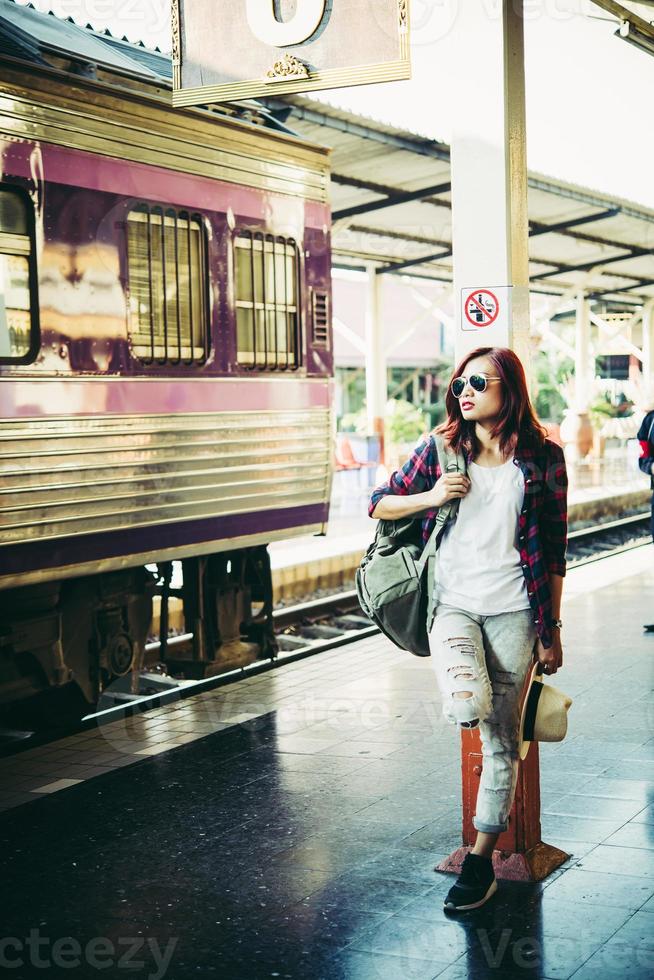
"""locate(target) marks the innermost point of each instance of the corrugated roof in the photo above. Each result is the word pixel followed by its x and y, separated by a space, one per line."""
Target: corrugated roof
pixel 157 62
pixel 577 234
pixel 34 35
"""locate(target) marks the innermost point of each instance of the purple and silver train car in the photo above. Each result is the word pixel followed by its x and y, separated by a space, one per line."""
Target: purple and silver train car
pixel 165 374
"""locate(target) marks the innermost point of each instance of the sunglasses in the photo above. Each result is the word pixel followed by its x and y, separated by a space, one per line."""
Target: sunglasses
pixel 478 382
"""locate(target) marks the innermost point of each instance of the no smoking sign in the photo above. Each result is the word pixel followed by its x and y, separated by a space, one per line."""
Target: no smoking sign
pixel 486 307
pixel 481 308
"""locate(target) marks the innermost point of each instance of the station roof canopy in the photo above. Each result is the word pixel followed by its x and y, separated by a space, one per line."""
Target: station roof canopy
pixel 391 205
pixel 391 189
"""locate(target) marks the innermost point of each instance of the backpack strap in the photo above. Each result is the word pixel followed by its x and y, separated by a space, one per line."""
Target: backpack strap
pixel 448 462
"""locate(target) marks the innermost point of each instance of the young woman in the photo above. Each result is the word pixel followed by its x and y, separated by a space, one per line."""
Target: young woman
pixel 499 575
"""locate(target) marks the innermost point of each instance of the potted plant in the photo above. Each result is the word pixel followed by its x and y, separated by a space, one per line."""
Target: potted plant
pixel 405 424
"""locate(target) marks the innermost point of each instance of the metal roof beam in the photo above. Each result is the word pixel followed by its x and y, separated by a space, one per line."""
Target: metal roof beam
pixel 636 280
pixel 633 253
pixel 400 236
pixel 353 267
pixel 399 266
pixel 393 199
pixel 641 284
pixel 584 236
pixel 382 189
pixel 624 15
pixel 562 227
pixel 421 239
pixel 636 283
pixel 364 185
pixel 536 228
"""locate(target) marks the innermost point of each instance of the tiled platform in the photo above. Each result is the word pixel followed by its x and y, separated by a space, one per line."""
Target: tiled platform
pixel 289 826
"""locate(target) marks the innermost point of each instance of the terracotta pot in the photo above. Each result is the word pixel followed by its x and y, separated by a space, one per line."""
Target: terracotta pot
pixel 576 433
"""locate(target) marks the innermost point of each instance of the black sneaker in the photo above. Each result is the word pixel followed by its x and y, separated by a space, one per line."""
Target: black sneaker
pixel 474 886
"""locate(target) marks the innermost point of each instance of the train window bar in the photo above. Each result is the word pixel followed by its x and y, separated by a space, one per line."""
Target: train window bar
pixel 150 360
pixel 205 300
pixel 294 344
pixel 201 286
pixel 189 255
pixel 178 308
pixel 264 311
pixel 19 321
pixel 198 290
pixel 164 292
pixel 286 313
pixel 275 313
pixel 254 303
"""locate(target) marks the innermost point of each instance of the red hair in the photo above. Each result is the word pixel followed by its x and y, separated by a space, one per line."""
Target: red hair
pixel 517 424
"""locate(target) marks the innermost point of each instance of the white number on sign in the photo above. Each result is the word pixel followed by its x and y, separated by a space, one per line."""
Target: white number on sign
pixel 265 26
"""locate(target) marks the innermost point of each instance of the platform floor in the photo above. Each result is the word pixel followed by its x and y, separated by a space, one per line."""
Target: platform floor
pixel 295 832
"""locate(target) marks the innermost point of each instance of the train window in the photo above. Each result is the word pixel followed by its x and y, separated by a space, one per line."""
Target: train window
pixel 167 272
pixel 267 308
pixel 18 306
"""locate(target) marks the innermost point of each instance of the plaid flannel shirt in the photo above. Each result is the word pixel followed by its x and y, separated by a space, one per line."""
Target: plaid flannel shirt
pixel 542 524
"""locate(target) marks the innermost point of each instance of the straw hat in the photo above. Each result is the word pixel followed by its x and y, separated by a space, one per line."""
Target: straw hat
pixel 544 715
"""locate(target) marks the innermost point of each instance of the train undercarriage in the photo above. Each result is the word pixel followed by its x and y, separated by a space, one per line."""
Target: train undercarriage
pixel 65 645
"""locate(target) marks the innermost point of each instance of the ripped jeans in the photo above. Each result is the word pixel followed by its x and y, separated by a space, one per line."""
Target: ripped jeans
pixel 481 664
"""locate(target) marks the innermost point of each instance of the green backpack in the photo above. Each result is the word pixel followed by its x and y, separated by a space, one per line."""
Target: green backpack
pixel 395 580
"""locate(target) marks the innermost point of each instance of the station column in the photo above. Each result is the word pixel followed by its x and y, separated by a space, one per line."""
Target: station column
pixel 583 375
pixel 376 386
pixel 489 179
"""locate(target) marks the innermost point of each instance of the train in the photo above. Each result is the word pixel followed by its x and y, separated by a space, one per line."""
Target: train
pixel 166 371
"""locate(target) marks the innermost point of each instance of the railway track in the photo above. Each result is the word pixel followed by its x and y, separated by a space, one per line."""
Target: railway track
pixel 310 628
pixel 609 538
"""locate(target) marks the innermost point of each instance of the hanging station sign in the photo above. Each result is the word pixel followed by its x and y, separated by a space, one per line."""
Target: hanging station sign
pixel 225 50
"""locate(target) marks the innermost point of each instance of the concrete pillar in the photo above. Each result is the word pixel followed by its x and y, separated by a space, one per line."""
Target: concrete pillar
pixel 489 178
pixel 583 373
pixel 376 387
pixel 576 432
pixel 648 347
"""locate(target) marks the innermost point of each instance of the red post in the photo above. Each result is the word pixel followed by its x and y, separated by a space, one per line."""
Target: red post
pixel 520 854
pixel 380 430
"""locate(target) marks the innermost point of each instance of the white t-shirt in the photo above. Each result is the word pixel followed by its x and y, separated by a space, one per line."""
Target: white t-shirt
pixel 478 563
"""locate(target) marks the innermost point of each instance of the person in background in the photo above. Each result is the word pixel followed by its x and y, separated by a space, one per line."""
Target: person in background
pixel 646 461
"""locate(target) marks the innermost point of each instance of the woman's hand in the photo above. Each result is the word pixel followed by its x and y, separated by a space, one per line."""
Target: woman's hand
pixel 449 486
pixel 551 657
